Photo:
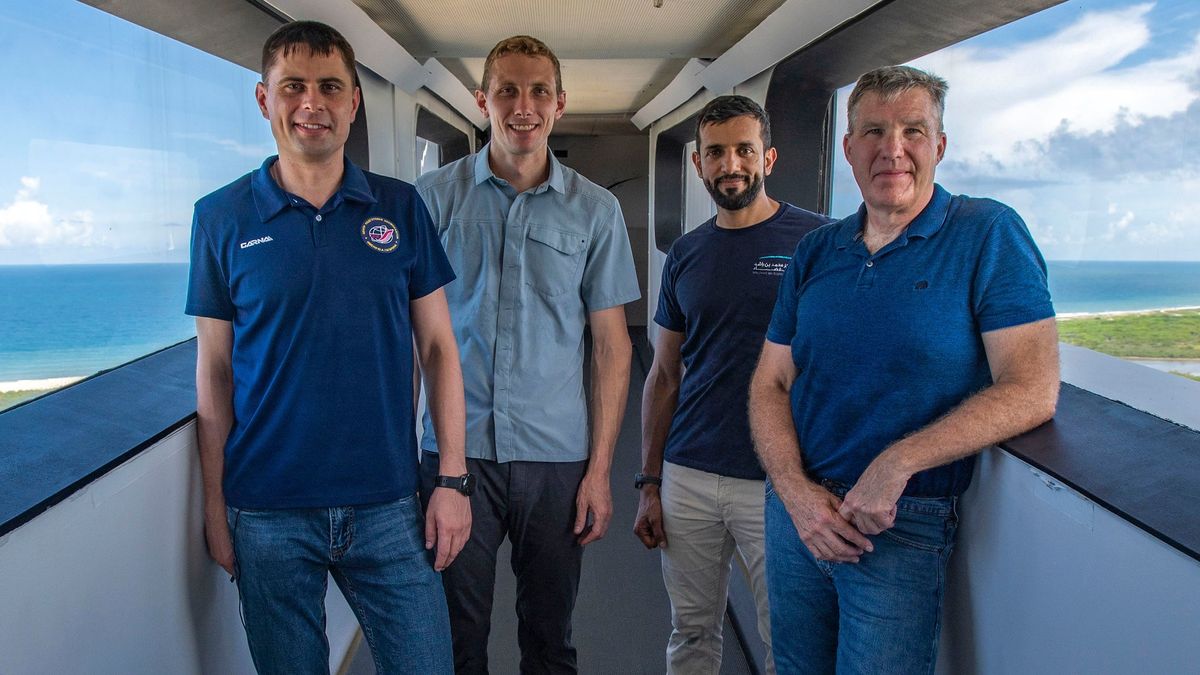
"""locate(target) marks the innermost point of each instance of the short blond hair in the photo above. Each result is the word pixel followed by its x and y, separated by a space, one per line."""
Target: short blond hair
pixel 527 46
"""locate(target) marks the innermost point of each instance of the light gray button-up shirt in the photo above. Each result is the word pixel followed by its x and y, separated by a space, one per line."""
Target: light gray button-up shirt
pixel 530 267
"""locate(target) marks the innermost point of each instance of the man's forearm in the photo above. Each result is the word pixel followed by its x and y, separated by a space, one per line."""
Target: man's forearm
pixel 1024 364
pixel 660 396
pixel 999 412
pixel 774 436
pixel 611 355
pixel 214 419
pixel 443 378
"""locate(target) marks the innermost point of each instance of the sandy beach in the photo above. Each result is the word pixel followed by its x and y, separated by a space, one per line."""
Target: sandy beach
pixel 1127 312
pixel 37 385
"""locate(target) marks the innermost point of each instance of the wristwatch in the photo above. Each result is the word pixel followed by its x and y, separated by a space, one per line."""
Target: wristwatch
pixel 464 484
pixel 642 478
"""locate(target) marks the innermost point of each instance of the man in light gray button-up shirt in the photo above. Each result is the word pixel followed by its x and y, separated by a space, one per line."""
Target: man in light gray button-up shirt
pixel 539 252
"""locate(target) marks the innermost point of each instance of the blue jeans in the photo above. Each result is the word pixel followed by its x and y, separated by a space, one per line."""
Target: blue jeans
pixel 880 615
pixel 376 554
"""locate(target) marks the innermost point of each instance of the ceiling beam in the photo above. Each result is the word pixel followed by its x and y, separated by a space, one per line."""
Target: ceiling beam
pixel 791 27
pixel 680 89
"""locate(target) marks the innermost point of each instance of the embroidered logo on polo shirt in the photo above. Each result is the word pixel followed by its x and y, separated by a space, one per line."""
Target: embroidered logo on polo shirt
pixel 255 242
pixel 771 265
pixel 380 234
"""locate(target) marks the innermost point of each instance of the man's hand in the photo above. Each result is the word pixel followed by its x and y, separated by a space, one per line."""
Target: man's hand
pixel 595 498
pixel 649 524
pixel 447 525
pixel 871 504
pixel 828 536
pixel 220 544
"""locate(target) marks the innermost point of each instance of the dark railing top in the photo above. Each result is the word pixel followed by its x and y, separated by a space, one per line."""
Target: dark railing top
pixel 1141 467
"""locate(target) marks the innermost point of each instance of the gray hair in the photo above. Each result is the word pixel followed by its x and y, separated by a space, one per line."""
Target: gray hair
pixel 892 81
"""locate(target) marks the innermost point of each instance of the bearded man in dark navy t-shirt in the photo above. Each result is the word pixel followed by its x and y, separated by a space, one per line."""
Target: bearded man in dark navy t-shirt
pixel 701 485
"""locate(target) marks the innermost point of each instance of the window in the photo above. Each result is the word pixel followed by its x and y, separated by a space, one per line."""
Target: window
pixel 113 132
pixel 429 155
pixel 698 206
pixel 438 141
pixel 1081 117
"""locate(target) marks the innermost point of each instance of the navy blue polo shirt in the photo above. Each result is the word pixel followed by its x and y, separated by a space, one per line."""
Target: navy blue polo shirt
pixel 885 344
pixel 718 289
pixel 322 342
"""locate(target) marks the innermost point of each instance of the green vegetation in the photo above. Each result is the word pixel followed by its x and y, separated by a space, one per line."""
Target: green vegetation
pixel 1149 335
pixel 11 398
pixel 1187 375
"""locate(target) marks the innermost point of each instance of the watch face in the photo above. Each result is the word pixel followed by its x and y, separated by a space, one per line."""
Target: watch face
pixel 468 484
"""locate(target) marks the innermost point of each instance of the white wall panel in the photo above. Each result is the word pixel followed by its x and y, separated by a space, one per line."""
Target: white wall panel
pixel 116 579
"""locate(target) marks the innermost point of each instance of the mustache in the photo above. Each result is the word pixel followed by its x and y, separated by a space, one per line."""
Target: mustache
pixel 735 176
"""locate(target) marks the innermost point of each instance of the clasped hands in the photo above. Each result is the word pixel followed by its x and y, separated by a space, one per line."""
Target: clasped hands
pixel 836 529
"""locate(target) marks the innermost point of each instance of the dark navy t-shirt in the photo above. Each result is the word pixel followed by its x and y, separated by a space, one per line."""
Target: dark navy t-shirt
pixel 718 288
pixel 885 344
pixel 322 342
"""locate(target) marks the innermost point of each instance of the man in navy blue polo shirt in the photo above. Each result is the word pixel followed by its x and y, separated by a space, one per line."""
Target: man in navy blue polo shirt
pixel 310 282
pixel 718 288
pixel 906 338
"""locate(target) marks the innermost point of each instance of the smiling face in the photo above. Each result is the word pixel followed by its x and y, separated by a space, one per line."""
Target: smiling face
pixel 522 102
pixel 731 161
pixel 310 101
pixel 894 148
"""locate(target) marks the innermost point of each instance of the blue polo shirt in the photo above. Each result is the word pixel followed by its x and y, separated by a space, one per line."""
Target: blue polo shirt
pixel 530 267
pixel 885 344
pixel 322 342
pixel 718 289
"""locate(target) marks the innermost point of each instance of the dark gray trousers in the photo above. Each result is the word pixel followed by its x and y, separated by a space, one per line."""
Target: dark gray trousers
pixel 533 504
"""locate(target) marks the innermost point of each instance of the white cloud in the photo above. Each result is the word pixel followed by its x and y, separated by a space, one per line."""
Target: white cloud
pixel 25 221
pixel 1000 100
pixel 1118 226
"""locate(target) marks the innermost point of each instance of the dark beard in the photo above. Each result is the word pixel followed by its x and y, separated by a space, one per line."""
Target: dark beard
pixel 738 200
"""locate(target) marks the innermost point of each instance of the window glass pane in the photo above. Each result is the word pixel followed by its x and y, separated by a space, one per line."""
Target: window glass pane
pixel 1082 117
pixel 429 156
pixel 698 205
pixel 112 133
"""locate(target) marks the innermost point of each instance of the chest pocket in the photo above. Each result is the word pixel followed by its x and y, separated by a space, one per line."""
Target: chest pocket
pixel 553 260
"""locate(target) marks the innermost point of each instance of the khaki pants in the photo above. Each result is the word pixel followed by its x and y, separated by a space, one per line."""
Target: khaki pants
pixel 707 517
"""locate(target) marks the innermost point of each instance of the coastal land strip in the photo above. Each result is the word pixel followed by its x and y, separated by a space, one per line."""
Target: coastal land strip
pixel 1165 339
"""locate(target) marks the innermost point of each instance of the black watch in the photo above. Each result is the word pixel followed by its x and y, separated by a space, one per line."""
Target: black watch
pixel 464 484
pixel 642 478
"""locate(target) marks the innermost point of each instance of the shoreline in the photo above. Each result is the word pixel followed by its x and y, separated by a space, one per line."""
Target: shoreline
pixel 49 383
pixel 45 384
pixel 1127 312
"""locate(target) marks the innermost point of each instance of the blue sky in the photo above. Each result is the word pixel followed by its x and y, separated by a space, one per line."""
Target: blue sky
pixel 1083 117
pixel 114 138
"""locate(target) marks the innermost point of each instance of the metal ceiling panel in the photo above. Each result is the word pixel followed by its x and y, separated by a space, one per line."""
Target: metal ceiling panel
pixel 587 29
pixel 616 54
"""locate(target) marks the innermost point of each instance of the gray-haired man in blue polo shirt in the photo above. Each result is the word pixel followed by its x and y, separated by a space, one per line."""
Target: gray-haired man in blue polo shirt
pixel 539 251
pixel 905 338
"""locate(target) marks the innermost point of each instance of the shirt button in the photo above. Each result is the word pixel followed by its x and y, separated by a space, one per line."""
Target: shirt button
pixel 870 263
pixel 318 217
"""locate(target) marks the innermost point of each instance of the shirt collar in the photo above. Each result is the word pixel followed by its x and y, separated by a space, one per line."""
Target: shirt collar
pixel 270 199
pixel 483 171
pixel 925 225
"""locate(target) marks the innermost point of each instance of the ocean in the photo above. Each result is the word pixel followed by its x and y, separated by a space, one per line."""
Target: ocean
pixel 74 320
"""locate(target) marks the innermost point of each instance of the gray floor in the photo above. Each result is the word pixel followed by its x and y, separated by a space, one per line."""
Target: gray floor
pixel 622 618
